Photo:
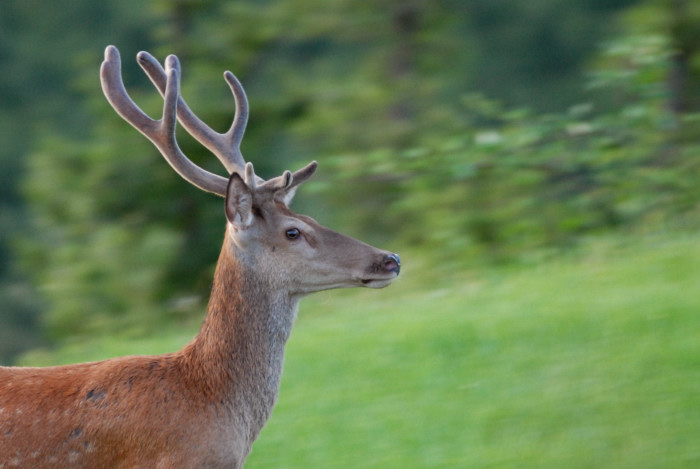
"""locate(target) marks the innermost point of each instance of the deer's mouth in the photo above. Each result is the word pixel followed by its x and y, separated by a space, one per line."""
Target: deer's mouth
pixel 377 282
pixel 386 270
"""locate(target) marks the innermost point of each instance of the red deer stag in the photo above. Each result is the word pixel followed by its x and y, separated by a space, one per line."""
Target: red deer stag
pixel 203 406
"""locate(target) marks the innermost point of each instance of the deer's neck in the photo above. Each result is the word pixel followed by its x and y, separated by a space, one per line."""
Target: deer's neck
pixel 237 356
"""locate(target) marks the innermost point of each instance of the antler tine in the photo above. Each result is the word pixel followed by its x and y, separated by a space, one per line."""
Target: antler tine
pixel 289 180
pixel 225 146
pixel 160 132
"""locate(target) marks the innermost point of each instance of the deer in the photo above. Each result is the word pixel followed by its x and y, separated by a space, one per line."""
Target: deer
pixel 204 405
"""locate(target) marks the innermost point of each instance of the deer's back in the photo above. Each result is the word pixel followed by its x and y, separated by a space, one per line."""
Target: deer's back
pixel 124 412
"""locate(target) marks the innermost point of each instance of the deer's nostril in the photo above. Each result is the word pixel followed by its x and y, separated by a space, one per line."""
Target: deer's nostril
pixel 392 263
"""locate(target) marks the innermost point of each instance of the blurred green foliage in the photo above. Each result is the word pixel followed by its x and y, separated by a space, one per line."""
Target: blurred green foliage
pixel 39 97
pixel 511 183
pixel 382 94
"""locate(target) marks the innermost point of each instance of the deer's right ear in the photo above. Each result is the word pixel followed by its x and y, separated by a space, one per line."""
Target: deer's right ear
pixel 239 202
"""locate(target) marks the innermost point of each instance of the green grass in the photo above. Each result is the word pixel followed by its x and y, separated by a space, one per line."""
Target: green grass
pixel 589 361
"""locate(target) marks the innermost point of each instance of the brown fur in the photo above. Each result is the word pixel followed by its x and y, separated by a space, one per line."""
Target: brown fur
pixel 174 410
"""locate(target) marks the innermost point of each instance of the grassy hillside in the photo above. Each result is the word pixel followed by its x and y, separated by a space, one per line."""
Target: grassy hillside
pixel 588 361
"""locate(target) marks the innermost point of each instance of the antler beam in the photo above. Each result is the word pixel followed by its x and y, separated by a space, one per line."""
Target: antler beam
pixel 225 146
pixel 161 132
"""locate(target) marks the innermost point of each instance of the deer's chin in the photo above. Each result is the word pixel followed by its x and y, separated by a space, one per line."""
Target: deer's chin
pixel 377 282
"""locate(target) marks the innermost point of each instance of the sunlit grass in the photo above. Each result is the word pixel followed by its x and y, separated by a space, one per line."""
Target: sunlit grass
pixel 588 361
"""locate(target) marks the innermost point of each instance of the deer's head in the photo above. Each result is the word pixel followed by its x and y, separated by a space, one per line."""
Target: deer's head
pixel 292 251
pixel 298 251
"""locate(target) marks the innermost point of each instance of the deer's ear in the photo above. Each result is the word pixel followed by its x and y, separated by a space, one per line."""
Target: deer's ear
pixel 239 202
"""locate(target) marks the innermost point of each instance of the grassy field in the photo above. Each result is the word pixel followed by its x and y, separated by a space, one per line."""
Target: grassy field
pixel 588 361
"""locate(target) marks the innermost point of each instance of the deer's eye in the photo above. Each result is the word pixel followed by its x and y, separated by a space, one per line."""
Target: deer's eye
pixel 293 233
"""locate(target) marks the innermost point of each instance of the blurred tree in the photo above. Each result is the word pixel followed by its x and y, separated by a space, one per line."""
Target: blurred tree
pixel 34 38
pixel 531 54
pixel 510 183
pixel 677 20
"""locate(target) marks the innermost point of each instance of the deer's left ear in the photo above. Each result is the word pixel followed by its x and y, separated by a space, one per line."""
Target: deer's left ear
pixel 239 203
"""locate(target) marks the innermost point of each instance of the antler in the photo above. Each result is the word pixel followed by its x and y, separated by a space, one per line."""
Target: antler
pixel 225 146
pixel 160 132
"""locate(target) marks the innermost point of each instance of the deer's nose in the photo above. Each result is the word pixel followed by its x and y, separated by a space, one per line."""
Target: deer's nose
pixel 392 263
